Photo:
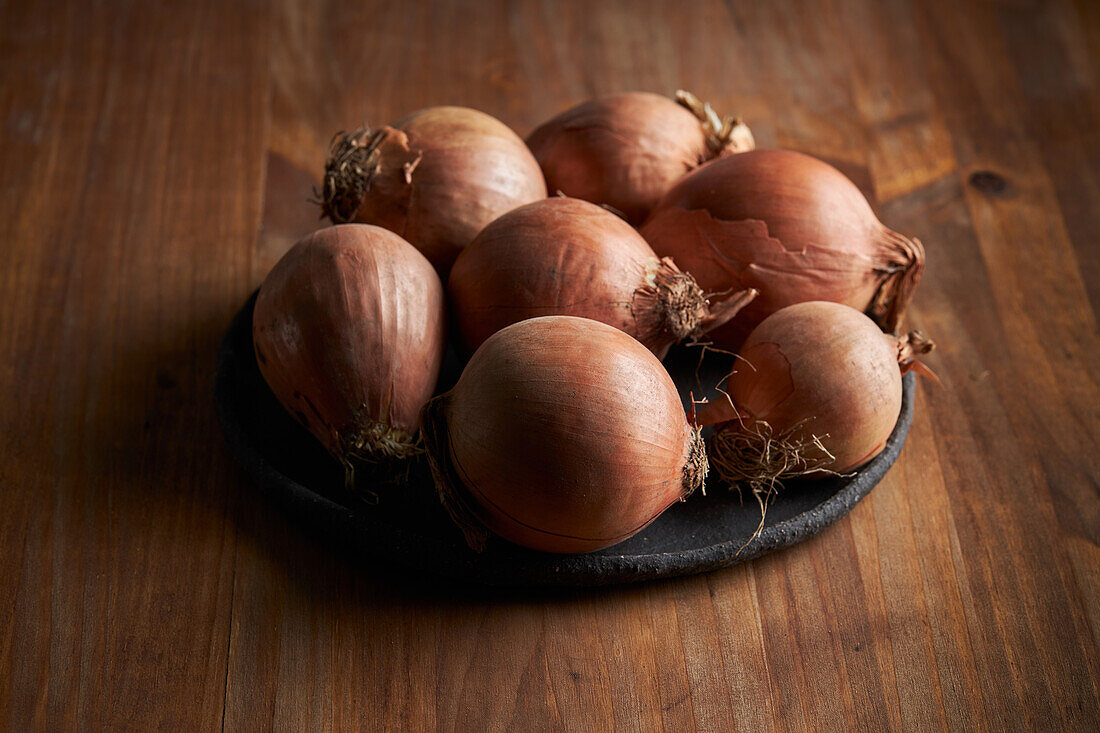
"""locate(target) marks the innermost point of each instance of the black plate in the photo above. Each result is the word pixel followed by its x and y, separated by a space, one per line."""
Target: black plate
pixel 408 527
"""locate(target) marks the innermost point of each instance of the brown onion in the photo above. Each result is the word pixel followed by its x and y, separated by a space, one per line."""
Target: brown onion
pixel 791 226
pixel 349 334
pixel 562 434
pixel 435 177
pixel 562 256
pixel 816 391
pixel 626 150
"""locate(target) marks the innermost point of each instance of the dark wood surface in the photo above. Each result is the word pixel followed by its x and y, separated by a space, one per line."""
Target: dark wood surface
pixel 156 158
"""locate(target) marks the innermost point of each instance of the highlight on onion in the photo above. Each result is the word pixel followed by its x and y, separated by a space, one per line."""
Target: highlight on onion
pixel 436 177
pixel 348 329
pixel 626 150
pixel 563 256
pixel 791 226
pixel 816 391
pixel 563 434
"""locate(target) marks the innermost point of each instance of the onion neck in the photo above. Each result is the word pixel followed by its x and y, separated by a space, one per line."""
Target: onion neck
pixel 909 347
pixel 723 135
pixel 900 269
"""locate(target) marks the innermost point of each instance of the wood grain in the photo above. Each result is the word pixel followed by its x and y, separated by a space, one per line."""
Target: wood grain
pixel 158 161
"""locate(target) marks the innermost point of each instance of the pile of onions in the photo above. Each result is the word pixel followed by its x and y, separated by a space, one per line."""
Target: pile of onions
pixel 563 435
pixel 348 329
pixel 816 391
pixel 436 177
pixel 563 256
pixel 791 226
pixel 626 150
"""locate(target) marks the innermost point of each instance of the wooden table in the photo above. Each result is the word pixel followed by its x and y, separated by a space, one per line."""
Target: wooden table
pixel 156 162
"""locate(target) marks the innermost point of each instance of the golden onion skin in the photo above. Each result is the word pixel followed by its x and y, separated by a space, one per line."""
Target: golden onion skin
pixel 792 227
pixel 435 177
pixel 815 370
pixel 626 150
pixel 564 256
pixel 563 435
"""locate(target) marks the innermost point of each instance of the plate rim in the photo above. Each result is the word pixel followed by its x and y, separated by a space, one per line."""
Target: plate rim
pixel 553 570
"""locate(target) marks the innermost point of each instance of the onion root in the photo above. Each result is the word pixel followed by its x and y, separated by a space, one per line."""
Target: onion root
pixel 353 161
pixel 755 458
pixel 696 467
pixel 685 310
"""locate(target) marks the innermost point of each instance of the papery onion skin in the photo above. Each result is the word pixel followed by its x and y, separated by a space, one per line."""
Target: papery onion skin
pixel 563 256
pixel 563 435
pixel 349 333
pixel 626 150
pixel 819 376
pixel 436 177
pixel 791 226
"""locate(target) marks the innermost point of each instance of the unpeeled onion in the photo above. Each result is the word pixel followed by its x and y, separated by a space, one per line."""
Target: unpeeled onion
pixel 562 256
pixel 435 177
pixel 348 329
pixel 626 150
pixel 816 390
pixel 791 226
pixel 562 434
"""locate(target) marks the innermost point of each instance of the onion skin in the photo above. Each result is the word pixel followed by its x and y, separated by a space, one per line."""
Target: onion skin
pixel 563 435
pixel 436 177
pixel 349 332
pixel 818 377
pixel 626 150
pixel 791 226
pixel 563 256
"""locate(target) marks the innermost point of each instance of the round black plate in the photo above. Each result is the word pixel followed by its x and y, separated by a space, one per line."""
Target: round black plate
pixel 398 519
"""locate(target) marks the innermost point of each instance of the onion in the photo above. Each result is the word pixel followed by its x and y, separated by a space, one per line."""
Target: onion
pixel 349 334
pixel 791 226
pixel 816 391
pixel 563 434
pixel 626 150
pixel 563 256
pixel 435 177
